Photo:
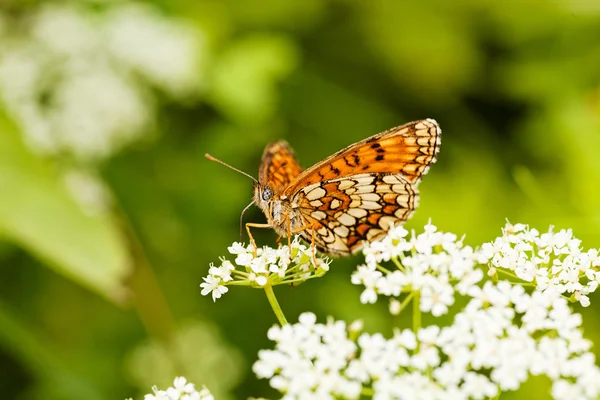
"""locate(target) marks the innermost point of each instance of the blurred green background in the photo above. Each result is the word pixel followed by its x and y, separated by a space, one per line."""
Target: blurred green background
pixel 110 214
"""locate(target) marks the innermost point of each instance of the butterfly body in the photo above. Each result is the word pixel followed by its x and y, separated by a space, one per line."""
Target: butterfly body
pixel 281 214
pixel 356 194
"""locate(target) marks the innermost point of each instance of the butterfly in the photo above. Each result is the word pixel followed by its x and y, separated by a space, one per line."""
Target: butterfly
pixel 352 196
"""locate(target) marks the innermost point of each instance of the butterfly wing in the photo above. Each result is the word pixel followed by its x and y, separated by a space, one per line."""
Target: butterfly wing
pixel 408 149
pixel 278 167
pixel 346 211
pixel 360 192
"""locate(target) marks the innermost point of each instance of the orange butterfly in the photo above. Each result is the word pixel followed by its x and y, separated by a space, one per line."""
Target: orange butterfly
pixel 354 195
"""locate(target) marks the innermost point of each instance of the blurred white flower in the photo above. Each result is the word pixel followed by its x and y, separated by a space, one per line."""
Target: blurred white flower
pixel 88 190
pixel 96 112
pixel 167 53
pixel 66 31
pixel 77 81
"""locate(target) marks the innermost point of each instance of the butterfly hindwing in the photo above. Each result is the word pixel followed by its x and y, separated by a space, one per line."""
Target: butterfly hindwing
pixel 346 211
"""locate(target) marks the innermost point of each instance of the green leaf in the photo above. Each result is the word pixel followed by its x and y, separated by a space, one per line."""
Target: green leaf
pixel 38 214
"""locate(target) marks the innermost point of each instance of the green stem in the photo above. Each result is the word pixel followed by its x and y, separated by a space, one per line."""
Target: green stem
pixel 406 301
pixel 507 273
pixel 369 392
pixel 382 269
pixel 398 264
pixel 416 311
pixel 275 305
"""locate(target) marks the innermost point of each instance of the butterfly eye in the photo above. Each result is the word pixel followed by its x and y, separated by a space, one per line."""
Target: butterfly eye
pixel 267 194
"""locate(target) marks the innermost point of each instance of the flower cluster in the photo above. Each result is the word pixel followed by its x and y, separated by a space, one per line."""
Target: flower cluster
pixel 502 337
pixel 309 360
pixel 261 266
pixel 548 260
pixel 78 80
pixel 433 264
pixel 181 390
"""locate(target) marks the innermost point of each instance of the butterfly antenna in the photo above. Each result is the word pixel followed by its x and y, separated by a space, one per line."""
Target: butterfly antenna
pixel 242 218
pixel 211 158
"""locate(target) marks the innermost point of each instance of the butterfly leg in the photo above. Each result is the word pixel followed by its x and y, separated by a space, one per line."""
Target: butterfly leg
pixel 254 225
pixel 312 239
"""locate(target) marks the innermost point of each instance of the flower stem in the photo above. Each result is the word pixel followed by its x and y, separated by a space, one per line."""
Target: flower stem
pixel 406 301
pixel 416 311
pixel 275 305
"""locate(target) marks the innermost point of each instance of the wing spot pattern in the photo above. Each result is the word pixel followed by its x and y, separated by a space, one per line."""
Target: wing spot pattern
pixel 370 205
pixel 355 204
pixel 386 222
pixel 390 209
pixel 316 193
pixel 364 180
pixel 365 197
pixel 399 188
pixel 403 200
pixel 346 184
pixel 319 215
pixel 342 231
pixel 346 219
pixel 365 189
pixel 372 233
pixel 357 212
pixel 391 179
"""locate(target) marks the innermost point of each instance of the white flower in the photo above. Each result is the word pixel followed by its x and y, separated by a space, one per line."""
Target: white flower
pixel 77 81
pixel 395 306
pixel 264 265
pixel 181 390
pixel 214 286
pixel 167 52
pixel 434 263
pixel 550 260
pixel 491 345
pixel 437 298
pixel 478 386
pixel 309 356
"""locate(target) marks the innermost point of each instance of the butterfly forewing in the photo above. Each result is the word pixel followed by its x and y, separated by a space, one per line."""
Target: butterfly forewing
pixel 408 149
pixel 278 167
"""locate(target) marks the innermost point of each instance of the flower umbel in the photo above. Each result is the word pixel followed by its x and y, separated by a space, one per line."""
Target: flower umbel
pixel 264 266
pixel 434 264
pixel 181 390
pixel 547 260
pixel 503 336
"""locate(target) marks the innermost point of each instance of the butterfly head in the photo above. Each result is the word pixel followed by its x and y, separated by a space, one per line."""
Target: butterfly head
pixel 263 196
pixel 271 203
